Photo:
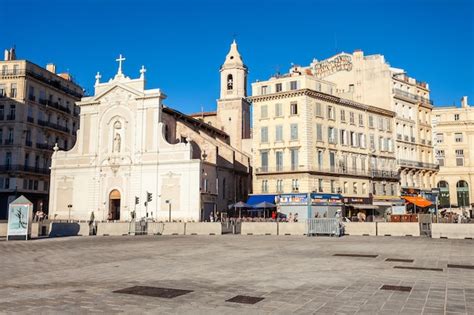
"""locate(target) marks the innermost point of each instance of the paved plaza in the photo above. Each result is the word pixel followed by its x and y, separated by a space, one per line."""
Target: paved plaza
pixel 293 275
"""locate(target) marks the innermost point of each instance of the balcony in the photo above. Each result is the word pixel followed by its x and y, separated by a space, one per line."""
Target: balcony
pixel 337 171
pixel 30 119
pixel 423 141
pixel 416 164
pixel 32 98
pixel 8 142
pixel 23 169
pixel 411 97
pixel 56 105
pixel 430 142
pixel 2 117
pixel 54 81
pixel 413 139
pixel 399 137
pixel 53 125
pixel 406 138
pixel 43 146
pixel 11 117
pixel 28 143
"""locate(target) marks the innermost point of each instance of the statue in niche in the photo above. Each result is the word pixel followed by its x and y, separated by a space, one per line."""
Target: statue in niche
pixel 117 142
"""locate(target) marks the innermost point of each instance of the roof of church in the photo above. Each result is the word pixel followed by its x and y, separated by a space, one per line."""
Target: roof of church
pixel 203 114
pixel 196 122
pixel 233 57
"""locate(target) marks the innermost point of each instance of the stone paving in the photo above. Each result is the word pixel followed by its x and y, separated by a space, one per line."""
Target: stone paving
pixel 294 275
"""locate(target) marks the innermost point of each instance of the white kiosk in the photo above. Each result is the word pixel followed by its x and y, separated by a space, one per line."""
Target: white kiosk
pixel 20 213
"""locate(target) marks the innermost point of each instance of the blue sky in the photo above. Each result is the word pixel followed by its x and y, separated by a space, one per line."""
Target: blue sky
pixel 183 43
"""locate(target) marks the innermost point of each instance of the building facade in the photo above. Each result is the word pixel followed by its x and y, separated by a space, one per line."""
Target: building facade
pixel 453 129
pixel 37 110
pixel 370 80
pixel 309 139
pixel 138 158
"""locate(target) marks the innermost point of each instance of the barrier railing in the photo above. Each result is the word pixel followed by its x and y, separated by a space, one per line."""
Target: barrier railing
pixel 324 226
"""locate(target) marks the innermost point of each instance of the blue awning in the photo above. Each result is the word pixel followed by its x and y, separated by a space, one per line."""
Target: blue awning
pixel 254 199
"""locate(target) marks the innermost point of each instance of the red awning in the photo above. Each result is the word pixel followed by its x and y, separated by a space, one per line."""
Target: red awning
pixel 418 201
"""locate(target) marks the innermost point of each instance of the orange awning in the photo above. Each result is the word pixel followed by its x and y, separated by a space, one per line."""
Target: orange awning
pixel 418 201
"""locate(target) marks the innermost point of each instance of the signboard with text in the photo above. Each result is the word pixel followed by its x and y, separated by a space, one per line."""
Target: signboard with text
pixel 320 199
pixel 294 199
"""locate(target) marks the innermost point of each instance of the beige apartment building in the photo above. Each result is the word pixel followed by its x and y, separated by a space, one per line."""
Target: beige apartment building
pixel 309 139
pixel 36 111
pixel 453 129
pixel 371 80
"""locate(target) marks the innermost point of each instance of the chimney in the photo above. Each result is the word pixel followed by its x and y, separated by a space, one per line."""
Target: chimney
pixel 51 67
pixel 12 53
pixel 464 102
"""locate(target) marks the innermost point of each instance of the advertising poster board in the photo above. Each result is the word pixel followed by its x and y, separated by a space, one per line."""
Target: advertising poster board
pixel 19 219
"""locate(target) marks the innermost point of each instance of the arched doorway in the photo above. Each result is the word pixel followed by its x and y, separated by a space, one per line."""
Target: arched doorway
pixel 462 189
pixel 114 205
pixel 444 194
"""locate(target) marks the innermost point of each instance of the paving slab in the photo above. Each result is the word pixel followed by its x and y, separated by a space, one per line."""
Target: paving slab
pixel 299 275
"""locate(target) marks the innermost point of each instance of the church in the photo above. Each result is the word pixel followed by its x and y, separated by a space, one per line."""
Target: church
pixel 135 157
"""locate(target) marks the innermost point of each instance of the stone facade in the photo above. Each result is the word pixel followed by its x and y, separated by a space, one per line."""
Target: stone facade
pixel 453 129
pixel 36 111
pixel 371 80
pixel 137 157
pixel 306 138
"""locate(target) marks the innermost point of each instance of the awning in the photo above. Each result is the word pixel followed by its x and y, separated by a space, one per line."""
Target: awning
pixel 362 206
pixel 418 201
pixel 254 199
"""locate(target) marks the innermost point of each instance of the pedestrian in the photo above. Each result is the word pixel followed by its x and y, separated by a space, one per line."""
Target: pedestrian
pixel 290 217
pixel 211 217
pixel 40 215
pixel 296 217
pixel 274 215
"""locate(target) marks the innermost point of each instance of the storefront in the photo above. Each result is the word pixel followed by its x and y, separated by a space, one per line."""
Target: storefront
pixel 294 204
pixel 325 205
pixel 389 205
pixel 355 205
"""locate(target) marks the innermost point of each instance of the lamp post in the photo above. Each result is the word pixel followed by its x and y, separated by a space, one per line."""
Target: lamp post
pixel 69 206
pixel 168 201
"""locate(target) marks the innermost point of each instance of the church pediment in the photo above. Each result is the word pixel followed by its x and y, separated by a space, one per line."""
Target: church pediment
pixel 117 92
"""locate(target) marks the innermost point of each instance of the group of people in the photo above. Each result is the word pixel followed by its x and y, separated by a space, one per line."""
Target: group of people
pixel 39 216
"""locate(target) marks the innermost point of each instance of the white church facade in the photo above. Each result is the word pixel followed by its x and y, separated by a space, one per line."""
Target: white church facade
pixel 136 157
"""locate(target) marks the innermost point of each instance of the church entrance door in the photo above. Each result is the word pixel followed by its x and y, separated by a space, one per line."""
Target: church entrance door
pixel 114 205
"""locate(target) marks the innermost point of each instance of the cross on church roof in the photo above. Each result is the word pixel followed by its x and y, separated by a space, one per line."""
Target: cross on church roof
pixel 142 72
pixel 97 78
pixel 120 59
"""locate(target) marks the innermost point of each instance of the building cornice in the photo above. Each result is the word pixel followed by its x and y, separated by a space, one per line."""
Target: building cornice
pixel 322 96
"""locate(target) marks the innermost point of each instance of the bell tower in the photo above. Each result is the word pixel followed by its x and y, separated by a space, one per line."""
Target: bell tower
pixel 233 109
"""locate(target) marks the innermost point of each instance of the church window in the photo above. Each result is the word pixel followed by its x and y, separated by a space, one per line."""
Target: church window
pixel 230 82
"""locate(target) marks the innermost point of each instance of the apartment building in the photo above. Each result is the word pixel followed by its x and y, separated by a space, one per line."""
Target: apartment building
pixel 37 111
pixel 453 129
pixel 371 80
pixel 307 139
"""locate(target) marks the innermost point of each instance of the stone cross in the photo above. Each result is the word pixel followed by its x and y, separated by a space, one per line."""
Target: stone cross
pixel 142 72
pixel 97 78
pixel 120 59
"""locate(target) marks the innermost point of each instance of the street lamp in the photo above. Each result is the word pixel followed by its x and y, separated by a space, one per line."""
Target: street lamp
pixel 69 207
pixel 168 201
